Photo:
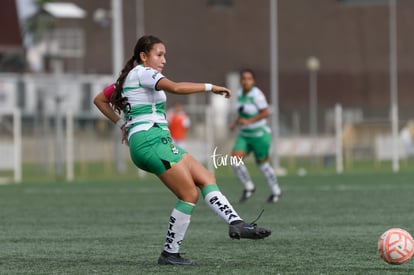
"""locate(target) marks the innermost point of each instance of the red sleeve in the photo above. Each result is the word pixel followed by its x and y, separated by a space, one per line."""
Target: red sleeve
pixel 108 91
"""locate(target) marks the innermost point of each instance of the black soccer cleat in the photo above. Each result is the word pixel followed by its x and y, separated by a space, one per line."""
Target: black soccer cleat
pixel 246 195
pixel 242 230
pixel 273 198
pixel 167 258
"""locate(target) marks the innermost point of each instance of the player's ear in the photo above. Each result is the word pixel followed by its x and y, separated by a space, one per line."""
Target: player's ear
pixel 143 56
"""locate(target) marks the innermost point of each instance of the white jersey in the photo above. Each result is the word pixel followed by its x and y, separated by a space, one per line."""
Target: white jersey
pixel 146 103
pixel 249 105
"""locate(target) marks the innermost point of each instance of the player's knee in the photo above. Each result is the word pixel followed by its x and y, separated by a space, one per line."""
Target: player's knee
pixel 238 154
pixel 210 178
pixel 262 160
pixel 191 195
pixel 206 179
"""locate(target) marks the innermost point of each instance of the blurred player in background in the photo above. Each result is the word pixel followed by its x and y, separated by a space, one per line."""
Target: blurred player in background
pixel 255 136
pixel 139 93
pixel 178 123
pixel 407 138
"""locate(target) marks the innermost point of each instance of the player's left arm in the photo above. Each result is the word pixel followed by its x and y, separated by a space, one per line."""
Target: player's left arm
pixel 263 113
pixel 190 87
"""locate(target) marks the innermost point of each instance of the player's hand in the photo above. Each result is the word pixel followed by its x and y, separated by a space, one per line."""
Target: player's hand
pixel 221 91
pixel 124 139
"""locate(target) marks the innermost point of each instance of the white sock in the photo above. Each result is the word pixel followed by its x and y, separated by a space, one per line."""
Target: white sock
pixel 219 203
pixel 177 226
pixel 269 173
pixel 244 176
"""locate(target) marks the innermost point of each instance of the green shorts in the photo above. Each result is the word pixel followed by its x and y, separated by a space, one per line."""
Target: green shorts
pixel 258 143
pixel 154 151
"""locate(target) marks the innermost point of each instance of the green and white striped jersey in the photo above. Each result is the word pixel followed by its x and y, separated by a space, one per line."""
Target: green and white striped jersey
pixel 146 103
pixel 249 105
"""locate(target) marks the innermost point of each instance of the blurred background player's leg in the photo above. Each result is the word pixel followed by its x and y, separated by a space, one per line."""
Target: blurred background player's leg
pixel 244 177
pixel 271 179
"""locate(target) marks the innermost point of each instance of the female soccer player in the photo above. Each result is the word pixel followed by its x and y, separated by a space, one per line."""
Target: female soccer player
pixel 139 93
pixel 255 135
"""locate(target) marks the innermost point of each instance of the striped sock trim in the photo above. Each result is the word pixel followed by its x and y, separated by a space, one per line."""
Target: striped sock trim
pixel 209 188
pixel 185 207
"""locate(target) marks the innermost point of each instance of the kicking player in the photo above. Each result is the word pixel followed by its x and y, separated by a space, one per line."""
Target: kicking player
pixel 255 136
pixel 139 93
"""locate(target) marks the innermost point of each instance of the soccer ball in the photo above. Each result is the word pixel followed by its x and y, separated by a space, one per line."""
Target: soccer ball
pixel 396 246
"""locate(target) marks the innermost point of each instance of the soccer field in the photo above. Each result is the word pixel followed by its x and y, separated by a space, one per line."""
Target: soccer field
pixel 323 224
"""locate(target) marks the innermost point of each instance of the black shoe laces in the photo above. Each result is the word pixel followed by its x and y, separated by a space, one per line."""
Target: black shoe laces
pixel 258 217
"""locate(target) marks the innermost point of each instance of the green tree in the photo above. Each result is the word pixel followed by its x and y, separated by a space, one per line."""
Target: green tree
pixel 41 23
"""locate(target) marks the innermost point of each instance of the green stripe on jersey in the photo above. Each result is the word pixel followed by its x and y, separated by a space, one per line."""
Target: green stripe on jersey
pixel 245 99
pixel 248 102
pixel 185 207
pixel 145 109
pixel 253 130
pixel 244 115
pixel 163 126
pixel 127 89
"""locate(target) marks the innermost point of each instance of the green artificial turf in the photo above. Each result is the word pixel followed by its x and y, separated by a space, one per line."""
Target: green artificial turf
pixel 323 224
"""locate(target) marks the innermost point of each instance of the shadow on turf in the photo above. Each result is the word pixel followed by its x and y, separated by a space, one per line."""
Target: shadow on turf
pixel 83 264
pixel 381 270
pixel 59 263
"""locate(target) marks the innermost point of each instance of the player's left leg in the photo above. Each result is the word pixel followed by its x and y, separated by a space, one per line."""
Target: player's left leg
pixel 206 181
pixel 261 147
pixel 213 197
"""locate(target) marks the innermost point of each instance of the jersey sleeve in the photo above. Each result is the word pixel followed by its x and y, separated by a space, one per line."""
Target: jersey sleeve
pixel 108 91
pixel 149 78
pixel 260 101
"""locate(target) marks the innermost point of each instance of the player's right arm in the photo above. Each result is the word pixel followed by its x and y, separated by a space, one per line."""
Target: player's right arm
pixel 102 102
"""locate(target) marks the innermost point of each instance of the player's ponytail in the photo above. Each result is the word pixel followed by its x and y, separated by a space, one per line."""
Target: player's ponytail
pixel 119 102
pixel 144 44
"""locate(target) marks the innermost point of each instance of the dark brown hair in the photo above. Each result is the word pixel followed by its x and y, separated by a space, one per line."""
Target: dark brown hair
pixel 144 44
pixel 247 70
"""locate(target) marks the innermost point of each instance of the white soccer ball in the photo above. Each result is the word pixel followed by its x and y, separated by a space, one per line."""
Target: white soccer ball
pixel 396 246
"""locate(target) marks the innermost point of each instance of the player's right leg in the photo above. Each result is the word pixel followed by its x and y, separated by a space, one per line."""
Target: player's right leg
pixel 153 151
pixel 179 181
pixel 261 147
